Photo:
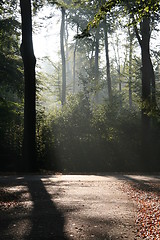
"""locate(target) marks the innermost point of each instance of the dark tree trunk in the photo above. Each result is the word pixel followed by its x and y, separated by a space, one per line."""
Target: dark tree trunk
pixel 96 62
pixel 146 62
pixel 29 61
pixel 148 89
pixel 107 61
pixel 148 77
pixel 130 66
pixel 148 86
pixel 63 57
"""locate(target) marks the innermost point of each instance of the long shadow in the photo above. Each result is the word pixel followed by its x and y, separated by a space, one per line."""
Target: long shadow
pixel 157 177
pixel 10 206
pixel 47 221
pixel 145 186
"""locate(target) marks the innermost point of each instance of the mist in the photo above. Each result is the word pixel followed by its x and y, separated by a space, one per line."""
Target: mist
pixel 96 108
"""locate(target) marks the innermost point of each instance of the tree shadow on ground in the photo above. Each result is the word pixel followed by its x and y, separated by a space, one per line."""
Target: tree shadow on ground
pixel 144 185
pixel 47 221
pixel 10 197
pixel 27 211
pixel 106 229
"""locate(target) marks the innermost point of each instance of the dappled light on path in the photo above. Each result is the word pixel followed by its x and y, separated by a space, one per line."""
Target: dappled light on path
pixel 79 207
pixel 27 211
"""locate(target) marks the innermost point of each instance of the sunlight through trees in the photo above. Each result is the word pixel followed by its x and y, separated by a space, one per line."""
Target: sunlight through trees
pixel 87 98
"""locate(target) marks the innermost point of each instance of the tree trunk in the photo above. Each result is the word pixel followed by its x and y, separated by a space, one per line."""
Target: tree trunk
pixel 59 83
pixel 96 63
pixel 29 61
pixel 74 68
pixel 74 64
pixel 148 77
pixel 146 67
pixel 63 57
pixel 119 84
pixel 68 62
pixel 148 90
pixel 130 66
pixel 148 87
pixel 118 62
pixel 107 61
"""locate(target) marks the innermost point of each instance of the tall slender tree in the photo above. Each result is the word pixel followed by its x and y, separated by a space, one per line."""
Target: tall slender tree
pixel 62 33
pixel 107 60
pixel 143 34
pixel 74 63
pixel 96 62
pixel 29 61
pixel 131 36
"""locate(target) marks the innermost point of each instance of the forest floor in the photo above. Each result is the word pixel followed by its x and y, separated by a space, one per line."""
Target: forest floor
pixel 78 207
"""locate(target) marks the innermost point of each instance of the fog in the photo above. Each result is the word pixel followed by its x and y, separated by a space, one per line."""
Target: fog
pixel 97 96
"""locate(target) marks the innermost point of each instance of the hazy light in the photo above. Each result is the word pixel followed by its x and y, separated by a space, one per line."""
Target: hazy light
pixel 46 33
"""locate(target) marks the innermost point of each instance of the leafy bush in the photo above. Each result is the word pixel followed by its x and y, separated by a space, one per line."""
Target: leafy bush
pixel 101 138
pixel 11 132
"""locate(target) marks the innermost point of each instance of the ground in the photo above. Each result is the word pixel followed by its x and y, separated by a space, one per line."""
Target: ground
pixel 78 207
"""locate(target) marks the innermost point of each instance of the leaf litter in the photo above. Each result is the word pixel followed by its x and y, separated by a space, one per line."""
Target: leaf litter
pixel 146 196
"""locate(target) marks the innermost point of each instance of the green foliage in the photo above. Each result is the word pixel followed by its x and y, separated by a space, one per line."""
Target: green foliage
pixel 11 132
pixel 83 135
pixel 95 140
pixel 11 89
pixel 11 70
pixel 140 8
pixel 45 143
pixel 37 5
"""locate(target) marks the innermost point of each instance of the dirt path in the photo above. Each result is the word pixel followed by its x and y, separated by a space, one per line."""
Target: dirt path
pixel 67 207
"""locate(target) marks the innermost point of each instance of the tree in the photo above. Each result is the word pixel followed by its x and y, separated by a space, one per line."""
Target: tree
pixel 62 32
pixel 143 35
pixel 105 29
pixel 131 36
pixel 140 12
pixel 144 12
pixel 96 63
pixel 29 61
pixel 74 63
pixel 62 5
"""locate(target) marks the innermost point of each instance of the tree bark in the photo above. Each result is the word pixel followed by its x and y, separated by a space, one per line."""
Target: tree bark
pixel 63 57
pixel 67 57
pixel 148 76
pixel 107 61
pixel 74 68
pixel 146 62
pixel 96 63
pixel 148 90
pixel 130 66
pixel 148 87
pixel 74 64
pixel 147 80
pixel 29 61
